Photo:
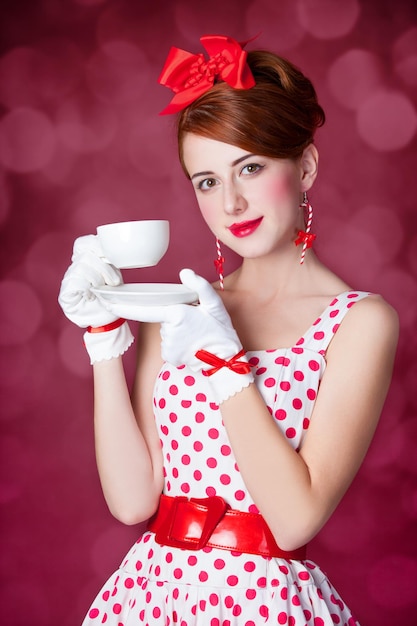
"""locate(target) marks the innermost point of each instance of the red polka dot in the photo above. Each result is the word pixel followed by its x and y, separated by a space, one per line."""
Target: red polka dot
pixel 240 495
pixel 214 599
pixel 156 612
pixel 334 313
pixel 282 360
pixel 313 365
pixel 198 446
pixel 129 583
pixel 201 397
pixel 211 462
pixel 192 560
pixel 210 491
pixel 263 611
pixel 228 601
pixel 260 371
pixel 106 594
pixel 219 564
pixel 199 417
pixel 249 566
pixel 306 423
pixel 165 375
pixel 282 618
pixel 297 403
pixel 298 375
pixel 250 594
pixel 237 610
pixel 213 433
pixel 186 431
pixel 225 450
pixel 290 433
pixel 280 414
pixel 117 609
pixel 173 390
pixel 185 459
pixel 203 577
pixel 162 403
pixel 185 488
pixel 189 381
pixel 318 335
pixel 173 417
pixel 311 394
pixel 232 580
pixel 197 475
pixel 186 404
pixel 225 479
pixel 94 613
pixel 270 382
pixel 261 581
pixel 285 385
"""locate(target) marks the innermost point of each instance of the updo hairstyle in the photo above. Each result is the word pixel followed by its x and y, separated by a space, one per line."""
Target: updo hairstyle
pixel 276 118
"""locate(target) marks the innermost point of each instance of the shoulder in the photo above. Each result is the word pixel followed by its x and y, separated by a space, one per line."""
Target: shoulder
pixel 373 312
pixel 370 326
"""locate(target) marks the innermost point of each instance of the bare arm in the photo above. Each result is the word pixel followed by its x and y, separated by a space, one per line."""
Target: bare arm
pixel 128 451
pixel 297 492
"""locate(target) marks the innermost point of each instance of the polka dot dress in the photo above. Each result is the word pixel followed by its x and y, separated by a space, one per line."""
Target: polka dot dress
pixel 164 586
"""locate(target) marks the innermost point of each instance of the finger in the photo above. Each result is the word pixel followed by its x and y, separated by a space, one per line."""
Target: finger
pixel 207 295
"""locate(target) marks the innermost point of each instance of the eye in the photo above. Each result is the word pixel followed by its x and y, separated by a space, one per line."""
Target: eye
pixel 251 168
pixel 206 184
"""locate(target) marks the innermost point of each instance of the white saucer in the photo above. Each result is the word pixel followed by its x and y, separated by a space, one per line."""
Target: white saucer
pixel 151 294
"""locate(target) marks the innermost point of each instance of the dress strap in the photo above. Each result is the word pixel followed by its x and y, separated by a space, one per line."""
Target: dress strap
pixel 320 334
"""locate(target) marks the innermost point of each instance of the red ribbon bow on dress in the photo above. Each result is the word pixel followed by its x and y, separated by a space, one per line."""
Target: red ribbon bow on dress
pixel 190 75
pixel 240 367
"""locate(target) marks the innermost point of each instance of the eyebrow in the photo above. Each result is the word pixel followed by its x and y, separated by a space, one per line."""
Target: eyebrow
pixel 233 164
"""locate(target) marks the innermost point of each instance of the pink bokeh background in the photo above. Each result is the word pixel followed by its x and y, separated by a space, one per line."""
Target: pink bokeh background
pixel 81 144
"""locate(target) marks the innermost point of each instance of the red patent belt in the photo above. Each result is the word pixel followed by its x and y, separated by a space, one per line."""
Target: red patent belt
pixel 194 523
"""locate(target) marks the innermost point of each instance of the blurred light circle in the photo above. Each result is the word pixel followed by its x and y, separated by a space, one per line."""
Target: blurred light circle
pixel 354 76
pixel 19 72
pixel 20 313
pixel 392 581
pixel 387 120
pixel 276 21
pixel 27 140
pixel 119 72
pixel 72 352
pixel 85 126
pixel 326 19
pixel 412 254
pixel 31 77
pixel 214 18
pixel 5 198
pixel 45 262
pixel 404 52
pixel 385 227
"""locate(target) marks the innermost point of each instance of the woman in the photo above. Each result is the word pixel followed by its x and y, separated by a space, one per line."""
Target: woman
pixel 262 412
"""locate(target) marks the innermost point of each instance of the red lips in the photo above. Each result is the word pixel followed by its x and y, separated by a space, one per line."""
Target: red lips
pixel 244 229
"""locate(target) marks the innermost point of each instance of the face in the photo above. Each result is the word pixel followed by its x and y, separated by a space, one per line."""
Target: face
pixel 250 202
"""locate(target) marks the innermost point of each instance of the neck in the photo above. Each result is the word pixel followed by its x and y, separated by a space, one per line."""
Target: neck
pixel 281 274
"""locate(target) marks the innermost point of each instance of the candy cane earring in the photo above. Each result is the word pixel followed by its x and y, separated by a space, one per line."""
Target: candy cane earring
pixel 218 263
pixel 305 237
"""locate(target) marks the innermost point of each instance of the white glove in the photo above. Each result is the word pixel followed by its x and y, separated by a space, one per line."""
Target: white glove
pixel 81 305
pixel 187 329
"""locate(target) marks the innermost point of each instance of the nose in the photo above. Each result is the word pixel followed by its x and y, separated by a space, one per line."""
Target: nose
pixel 234 201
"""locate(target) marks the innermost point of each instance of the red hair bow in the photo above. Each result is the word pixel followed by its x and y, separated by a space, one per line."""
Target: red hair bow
pixel 190 75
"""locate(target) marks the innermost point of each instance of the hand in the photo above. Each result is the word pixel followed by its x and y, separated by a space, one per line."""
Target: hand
pixel 81 305
pixel 186 329
pixel 87 270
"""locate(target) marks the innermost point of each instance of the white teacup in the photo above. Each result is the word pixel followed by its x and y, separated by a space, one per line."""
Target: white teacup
pixel 141 243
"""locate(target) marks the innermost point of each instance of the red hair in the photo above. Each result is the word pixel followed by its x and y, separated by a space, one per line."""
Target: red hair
pixel 277 117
